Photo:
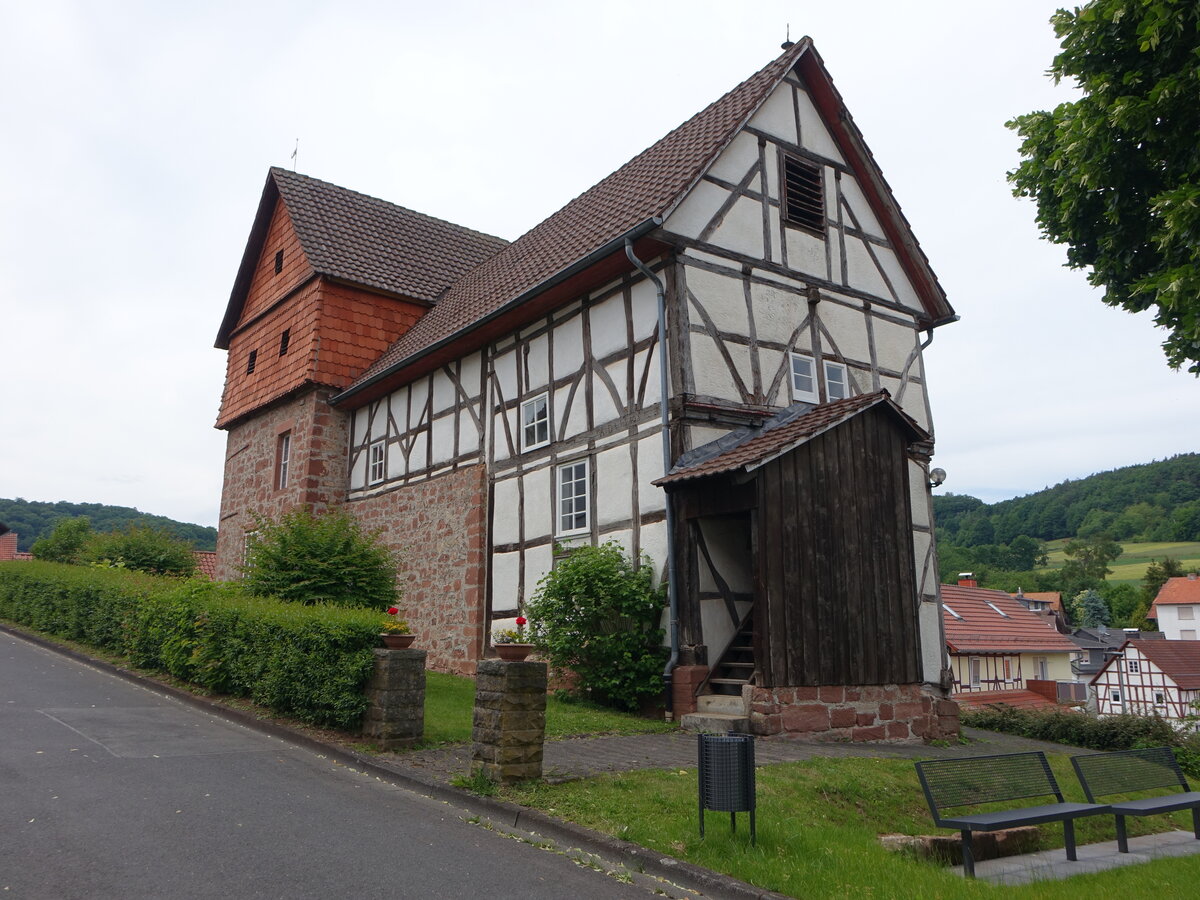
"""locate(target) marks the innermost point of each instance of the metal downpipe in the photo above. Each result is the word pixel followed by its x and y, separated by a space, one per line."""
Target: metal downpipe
pixel 663 398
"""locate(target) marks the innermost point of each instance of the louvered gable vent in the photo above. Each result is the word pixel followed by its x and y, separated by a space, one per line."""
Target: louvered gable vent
pixel 803 198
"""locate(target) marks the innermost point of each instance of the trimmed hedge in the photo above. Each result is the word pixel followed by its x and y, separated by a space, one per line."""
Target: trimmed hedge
pixel 308 662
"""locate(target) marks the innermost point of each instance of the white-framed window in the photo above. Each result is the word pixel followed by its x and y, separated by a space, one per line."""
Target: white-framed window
pixel 837 385
pixel 572 485
pixel 283 459
pixel 974 665
pixel 535 422
pixel 1041 665
pixel 1134 666
pixel 377 462
pixel 804 379
pixel 1115 695
pixel 1187 612
pixel 1160 699
pixel 1187 634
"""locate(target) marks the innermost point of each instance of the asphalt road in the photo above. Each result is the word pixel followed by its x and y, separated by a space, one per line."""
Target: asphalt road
pixel 108 790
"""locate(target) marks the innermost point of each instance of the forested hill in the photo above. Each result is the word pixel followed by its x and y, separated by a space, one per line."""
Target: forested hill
pixel 32 519
pixel 1158 501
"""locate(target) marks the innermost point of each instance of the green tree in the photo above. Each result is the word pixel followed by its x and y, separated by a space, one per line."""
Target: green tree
pixel 597 614
pixel 1088 558
pixel 1089 609
pixel 1115 174
pixel 307 557
pixel 1124 601
pixel 153 550
pixel 1157 574
pixel 66 542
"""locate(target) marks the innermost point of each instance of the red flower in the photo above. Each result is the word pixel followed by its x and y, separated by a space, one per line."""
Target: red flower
pixel 392 610
pixel 521 620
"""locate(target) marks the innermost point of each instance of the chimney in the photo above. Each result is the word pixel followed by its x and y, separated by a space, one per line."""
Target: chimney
pixel 967 579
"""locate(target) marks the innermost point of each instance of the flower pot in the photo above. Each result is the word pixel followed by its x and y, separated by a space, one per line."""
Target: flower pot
pixel 513 652
pixel 397 641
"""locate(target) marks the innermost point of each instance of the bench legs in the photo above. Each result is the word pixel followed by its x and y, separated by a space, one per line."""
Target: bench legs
pixel 1122 837
pixel 968 855
pixel 1196 822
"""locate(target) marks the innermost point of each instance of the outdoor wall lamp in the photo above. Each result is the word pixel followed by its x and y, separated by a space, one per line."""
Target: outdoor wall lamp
pixel 936 477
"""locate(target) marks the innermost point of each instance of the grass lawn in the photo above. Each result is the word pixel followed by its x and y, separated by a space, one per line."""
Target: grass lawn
pixel 1130 566
pixel 450 701
pixel 818 824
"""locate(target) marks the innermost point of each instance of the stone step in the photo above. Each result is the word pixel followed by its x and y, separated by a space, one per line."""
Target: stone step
pixel 721 703
pixel 720 723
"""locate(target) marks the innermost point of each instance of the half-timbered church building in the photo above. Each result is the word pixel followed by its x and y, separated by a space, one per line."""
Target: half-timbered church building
pixel 712 357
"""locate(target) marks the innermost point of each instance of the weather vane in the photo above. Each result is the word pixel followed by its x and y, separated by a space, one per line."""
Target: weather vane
pixel 296 154
pixel 787 41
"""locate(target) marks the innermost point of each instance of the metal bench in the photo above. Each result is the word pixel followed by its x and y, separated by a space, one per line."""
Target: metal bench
pixel 1128 771
pixel 978 780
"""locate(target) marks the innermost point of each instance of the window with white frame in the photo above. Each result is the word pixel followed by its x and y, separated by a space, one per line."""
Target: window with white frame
pixel 804 379
pixel 1187 612
pixel 837 385
pixel 1187 634
pixel 572 483
pixel 1116 695
pixel 974 665
pixel 1160 699
pixel 535 422
pixel 377 462
pixel 283 459
pixel 1041 665
pixel 1134 666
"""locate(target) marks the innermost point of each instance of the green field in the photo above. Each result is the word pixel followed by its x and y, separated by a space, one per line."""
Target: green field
pixel 1131 565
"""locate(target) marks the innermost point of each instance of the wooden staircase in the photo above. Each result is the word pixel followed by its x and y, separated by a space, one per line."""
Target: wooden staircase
pixel 719 703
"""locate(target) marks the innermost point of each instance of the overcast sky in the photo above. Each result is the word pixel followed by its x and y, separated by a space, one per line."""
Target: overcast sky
pixel 137 137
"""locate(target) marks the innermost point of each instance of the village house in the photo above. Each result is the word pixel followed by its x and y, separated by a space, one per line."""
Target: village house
pixel 712 357
pixel 1176 608
pixel 1150 678
pixel 1000 651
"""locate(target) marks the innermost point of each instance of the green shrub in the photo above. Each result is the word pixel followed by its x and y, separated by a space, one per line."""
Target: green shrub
pixel 65 543
pixel 1123 732
pixel 597 615
pixel 309 662
pixel 153 550
pixel 320 558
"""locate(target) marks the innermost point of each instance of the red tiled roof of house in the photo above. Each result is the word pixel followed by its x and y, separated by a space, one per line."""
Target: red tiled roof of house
pixel 206 562
pixel 974 626
pixel 1054 598
pixel 644 190
pixel 1178 659
pixel 1181 589
pixel 747 449
pixel 1021 699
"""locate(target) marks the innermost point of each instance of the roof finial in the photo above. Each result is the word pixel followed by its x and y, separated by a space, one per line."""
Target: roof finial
pixel 296 155
pixel 788 42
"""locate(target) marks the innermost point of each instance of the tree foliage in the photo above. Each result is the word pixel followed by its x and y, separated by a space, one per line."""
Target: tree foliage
pixel 307 557
pixel 597 614
pixel 33 519
pixel 1089 609
pixel 1115 174
pixel 152 550
pixel 65 544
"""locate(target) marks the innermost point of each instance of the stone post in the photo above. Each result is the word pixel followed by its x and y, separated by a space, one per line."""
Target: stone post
pixel 395 718
pixel 510 720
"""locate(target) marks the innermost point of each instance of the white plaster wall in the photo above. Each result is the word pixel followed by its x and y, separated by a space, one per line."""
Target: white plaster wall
pixel 741 230
pixel 607 321
pixel 905 292
pixel 857 202
pixel 861 271
pixel 575 414
pixel 418 456
pixel 893 343
pixel 918 493
pixel 814 135
pixel 538 503
pixel 505 505
pixel 777 115
pixel 932 649
pixel 645 309
pixel 848 328
pixel 505 367
pixel 506 568
pixel 420 396
pixel 806 253
pixel 444 394
pixel 722 299
pixel 694 213
pixel 538 563
pixel 537 364
pixel 443 439
pixel 568 345
pixel 603 407
pixel 777 312
pixel 650 467
pixel 709 370
pixel 654 545
pixel 612 486
pixel 641 360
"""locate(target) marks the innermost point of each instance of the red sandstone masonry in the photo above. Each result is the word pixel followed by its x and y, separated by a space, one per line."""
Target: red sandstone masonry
pixel 906 712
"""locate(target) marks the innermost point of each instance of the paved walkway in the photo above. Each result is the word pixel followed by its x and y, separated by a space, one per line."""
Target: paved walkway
pixel 1052 865
pixel 581 757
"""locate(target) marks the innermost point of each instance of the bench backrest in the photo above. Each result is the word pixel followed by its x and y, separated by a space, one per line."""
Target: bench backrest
pixel 1128 770
pixel 973 780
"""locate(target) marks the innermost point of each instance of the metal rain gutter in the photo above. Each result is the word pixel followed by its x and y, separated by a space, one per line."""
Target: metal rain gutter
pixel 604 250
pixel 663 397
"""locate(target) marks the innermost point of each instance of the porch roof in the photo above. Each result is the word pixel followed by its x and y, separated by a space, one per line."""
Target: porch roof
pixel 746 449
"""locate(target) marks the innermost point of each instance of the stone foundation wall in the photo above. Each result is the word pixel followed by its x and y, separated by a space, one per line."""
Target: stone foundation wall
pixel 396 716
pixel 438 529
pixel 510 720
pixel 892 712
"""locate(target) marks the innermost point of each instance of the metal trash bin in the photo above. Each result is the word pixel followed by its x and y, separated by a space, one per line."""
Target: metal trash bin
pixel 726 776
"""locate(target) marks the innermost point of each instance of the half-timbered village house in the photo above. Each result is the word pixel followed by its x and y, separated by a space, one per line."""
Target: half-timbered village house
pixel 715 349
pixel 1150 678
pixel 997 646
pixel 1176 607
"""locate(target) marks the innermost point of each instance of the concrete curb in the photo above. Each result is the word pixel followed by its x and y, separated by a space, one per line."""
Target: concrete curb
pixel 568 835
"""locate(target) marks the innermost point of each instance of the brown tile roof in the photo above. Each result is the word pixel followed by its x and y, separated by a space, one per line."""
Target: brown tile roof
pixel 648 186
pixel 1020 699
pixel 1054 598
pixel 1178 659
pixel 206 563
pixel 977 628
pixel 748 448
pixel 1182 589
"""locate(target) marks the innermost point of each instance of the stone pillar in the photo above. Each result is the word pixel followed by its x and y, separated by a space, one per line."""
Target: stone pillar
pixel 395 718
pixel 510 719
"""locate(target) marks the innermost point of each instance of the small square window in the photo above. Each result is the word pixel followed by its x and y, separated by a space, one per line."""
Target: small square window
pixel 1135 667
pixel 1116 696
pixel 572 484
pixel 251 362
pixel 283 459
pixel 284 340
pixel 1160 699
pixel 1187 634
pixel 836 386
pixel 378 462
pixel 535 422
pixel 804 379
pixel 1187 612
